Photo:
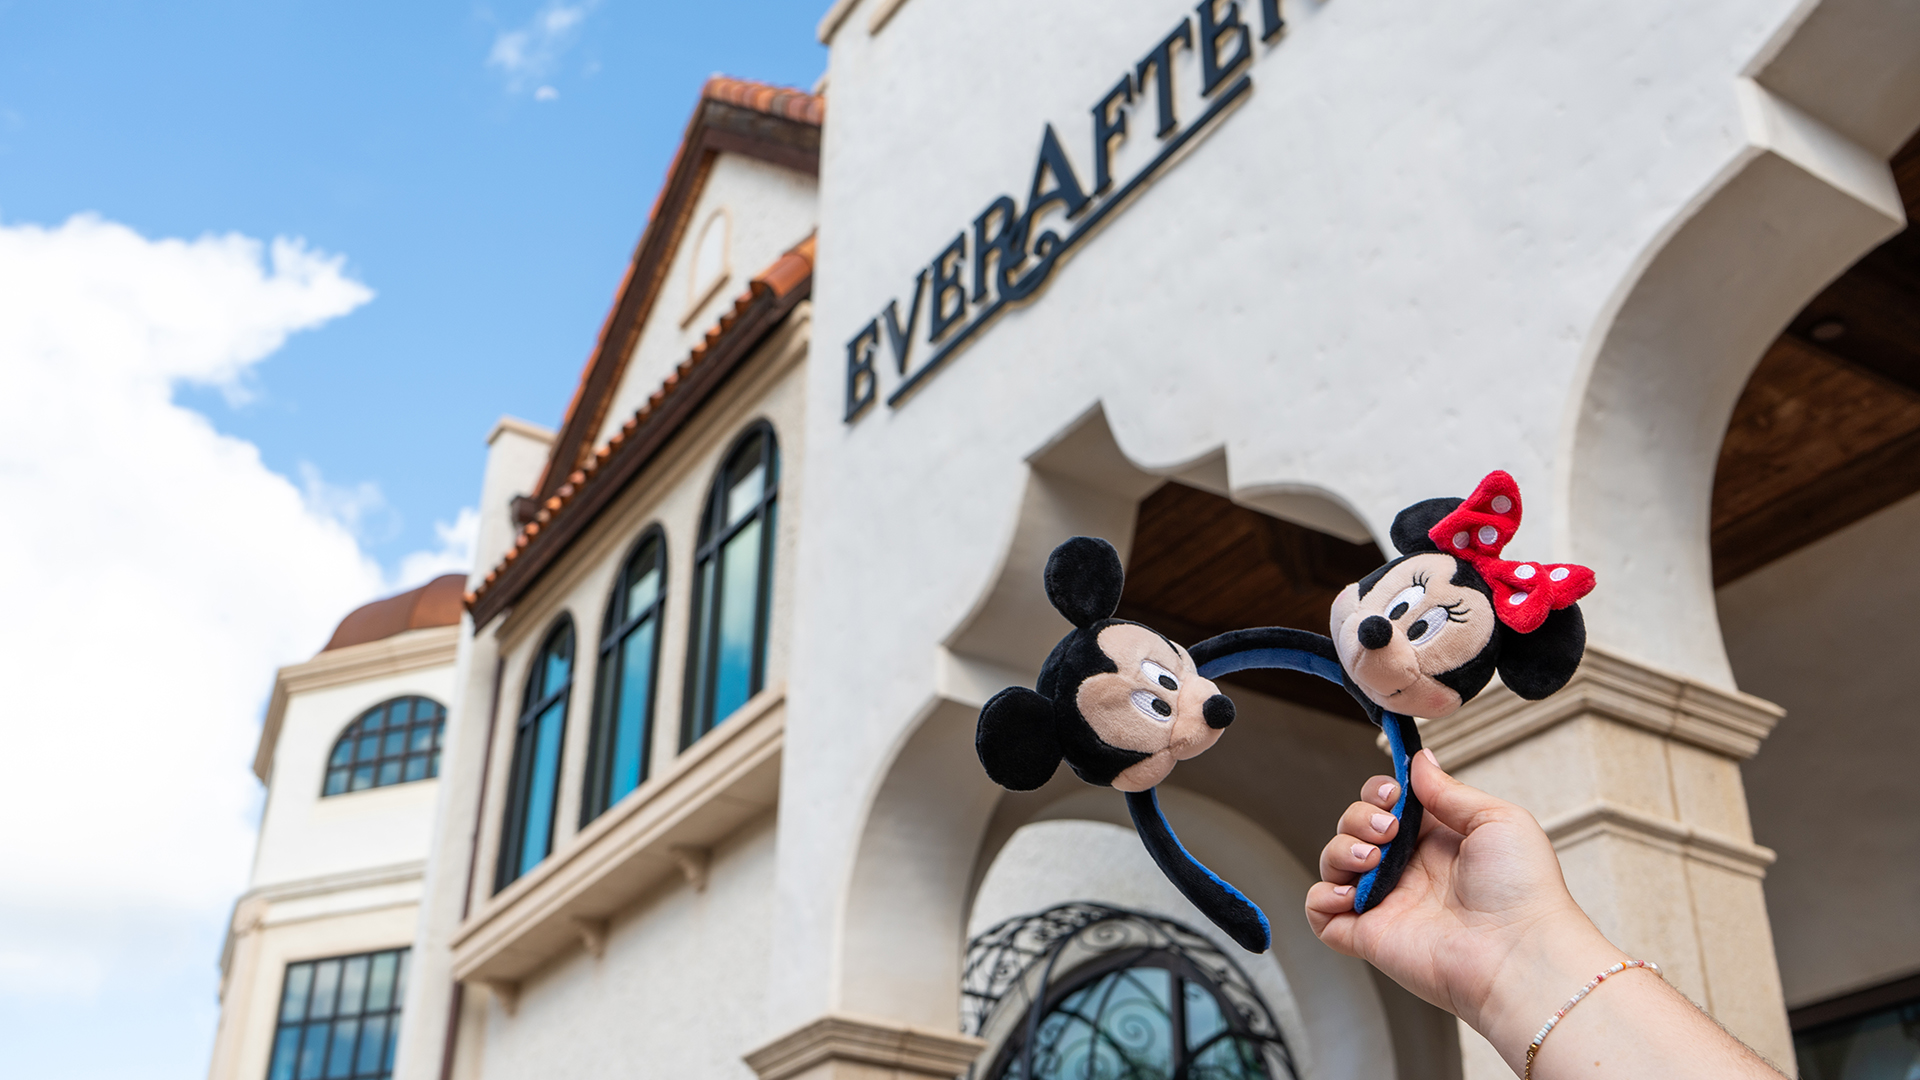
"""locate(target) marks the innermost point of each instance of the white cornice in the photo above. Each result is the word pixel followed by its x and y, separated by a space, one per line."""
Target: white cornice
pixel 883 1045
pixel 520 427
pixel 409 651
pixel 1627 691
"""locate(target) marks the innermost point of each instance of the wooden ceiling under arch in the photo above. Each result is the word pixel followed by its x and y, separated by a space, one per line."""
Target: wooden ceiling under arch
pixel 1827 430
pixel 1203 565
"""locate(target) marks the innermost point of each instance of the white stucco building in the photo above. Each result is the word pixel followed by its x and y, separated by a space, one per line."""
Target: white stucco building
pixel 1230 292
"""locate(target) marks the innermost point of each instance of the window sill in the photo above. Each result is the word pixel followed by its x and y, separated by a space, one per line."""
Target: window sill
pixel 665 828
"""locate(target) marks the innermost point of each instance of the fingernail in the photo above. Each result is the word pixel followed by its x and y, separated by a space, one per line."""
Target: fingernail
pixel 1342 890
pixel 1381 822
pixel 1362 851
pixel 1431 760
pixel 1387 792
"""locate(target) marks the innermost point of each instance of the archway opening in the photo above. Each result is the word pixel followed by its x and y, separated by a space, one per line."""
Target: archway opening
pixel 1816 503
pixel 1827 430
pixel 1202 565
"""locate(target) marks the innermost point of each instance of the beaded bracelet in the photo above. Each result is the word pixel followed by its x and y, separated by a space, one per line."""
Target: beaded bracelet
pixel 1547 1028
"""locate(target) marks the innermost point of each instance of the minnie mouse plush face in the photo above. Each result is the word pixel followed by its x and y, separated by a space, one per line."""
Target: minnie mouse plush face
pixel 1423 634
pixel 1117 700
pixel 1411 633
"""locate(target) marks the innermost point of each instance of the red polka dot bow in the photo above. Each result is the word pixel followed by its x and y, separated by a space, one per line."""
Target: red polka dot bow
pixel 1523 592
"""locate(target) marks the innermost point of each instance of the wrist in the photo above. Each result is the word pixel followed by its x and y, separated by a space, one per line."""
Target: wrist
pixel 1554 959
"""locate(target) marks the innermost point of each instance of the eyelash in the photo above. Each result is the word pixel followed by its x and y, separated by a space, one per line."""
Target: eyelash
pixel 1455 611
pixel 1420 579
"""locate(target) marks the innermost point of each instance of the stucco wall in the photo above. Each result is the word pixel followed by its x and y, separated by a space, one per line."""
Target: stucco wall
pixel 1383 275
pixel 769 209
pixel 680 991
pixel 303 835
pixel 1829 633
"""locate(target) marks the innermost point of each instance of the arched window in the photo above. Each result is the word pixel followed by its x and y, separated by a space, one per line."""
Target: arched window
pixel 534 783
pixel 392 743
pixel 732 585
pixel 629 662
pixel 1084 990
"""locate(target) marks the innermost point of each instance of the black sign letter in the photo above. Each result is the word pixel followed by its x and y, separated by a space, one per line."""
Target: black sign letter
pixel 946 283
pixel 902 340
pixel 1160 62
pixel 1270 21
pixel 1066 186
pixel 1003 247
pixel 1110 123
pixel 1213 70
pixel 862 384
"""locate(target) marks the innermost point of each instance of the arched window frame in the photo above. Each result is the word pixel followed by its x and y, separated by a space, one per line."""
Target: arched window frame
pixel 607 745
pixel 1021 971
pixel 539 743
pixel 405 754
pixel 699 707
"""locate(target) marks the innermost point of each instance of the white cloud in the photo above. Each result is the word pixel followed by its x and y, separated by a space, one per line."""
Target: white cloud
pixel 153 573
pixel 527 55
pixel 454 555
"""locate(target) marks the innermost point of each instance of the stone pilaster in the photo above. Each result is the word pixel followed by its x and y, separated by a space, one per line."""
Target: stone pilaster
pixel 1635 774
pixel 839 1047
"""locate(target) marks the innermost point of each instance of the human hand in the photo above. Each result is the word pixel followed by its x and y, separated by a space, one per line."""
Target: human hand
pixel 1481 922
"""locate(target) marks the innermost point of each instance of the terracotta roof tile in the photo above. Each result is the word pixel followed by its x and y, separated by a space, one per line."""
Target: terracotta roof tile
pixel 789 272
pixel 772 100
pixel 665 221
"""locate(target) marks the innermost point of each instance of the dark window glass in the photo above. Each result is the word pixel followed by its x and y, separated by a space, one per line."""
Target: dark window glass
pixel 1156 1019
pixel 387 744
pixel 1883 1044
pixel 339 1018
pixel 629 661
pixel 732 585
pixel 533 784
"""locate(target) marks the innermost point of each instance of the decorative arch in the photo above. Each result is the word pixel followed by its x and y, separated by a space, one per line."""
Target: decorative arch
pixel 1061 991
pixel 934 823
pixel 1824 106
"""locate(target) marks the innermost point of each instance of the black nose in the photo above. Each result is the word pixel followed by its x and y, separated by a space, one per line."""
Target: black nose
pixel 1375 632
pixel 1218 711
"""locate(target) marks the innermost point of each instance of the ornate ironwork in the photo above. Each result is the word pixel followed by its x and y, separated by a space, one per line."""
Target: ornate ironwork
pixel 1020 971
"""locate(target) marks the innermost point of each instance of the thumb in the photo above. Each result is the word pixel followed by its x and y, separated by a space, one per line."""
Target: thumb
pixel 1458 806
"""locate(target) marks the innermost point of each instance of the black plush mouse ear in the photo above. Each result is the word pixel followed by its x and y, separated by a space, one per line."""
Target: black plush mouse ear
pixel 1410 526
pixel 1538 664
pixel 1084 579
pixel 1015 739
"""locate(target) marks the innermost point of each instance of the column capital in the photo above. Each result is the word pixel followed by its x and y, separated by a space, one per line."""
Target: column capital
pixel 1613 686
pixel 867 1041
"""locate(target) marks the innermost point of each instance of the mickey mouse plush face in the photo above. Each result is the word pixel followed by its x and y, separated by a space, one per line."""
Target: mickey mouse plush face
pixel 1117 700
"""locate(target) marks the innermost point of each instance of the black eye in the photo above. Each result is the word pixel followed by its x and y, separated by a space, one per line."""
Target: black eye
pixel 1162 707
pixel 1398 610
pixel 1417 628
pixel 1167 681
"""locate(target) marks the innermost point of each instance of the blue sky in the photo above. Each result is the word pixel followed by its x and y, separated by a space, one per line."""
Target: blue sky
pixel 268 274
pixel 491 218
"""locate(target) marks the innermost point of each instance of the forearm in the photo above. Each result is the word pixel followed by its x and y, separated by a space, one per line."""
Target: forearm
pixel 1633 1026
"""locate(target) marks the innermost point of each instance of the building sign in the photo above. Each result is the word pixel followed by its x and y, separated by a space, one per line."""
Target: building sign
pixel 1010 251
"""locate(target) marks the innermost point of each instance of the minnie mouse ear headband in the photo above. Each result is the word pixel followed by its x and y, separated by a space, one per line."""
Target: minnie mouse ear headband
pixel 1426 632
pixel 1121 704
